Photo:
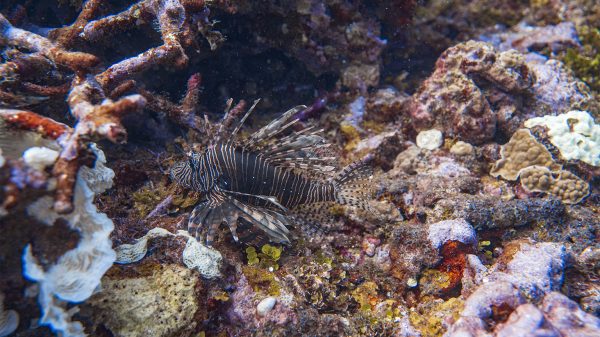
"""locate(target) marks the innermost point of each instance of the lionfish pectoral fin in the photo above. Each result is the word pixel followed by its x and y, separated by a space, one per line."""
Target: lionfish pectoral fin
pixel 270 199
pixel 272 223
pixel 214 220
pixel 197 218
pixel 231 220
pixel 208 216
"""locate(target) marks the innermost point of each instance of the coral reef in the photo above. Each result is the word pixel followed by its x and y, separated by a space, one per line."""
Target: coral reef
pixel 566 186
pixel 456 96
pixel 525 158
pixel 522 151
pixel 479 118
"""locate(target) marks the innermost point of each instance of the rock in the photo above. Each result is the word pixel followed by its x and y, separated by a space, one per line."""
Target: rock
pixel 480 303
pixel 487 82
pixel 385 105
pixel 430 139
pixel 526 38
pixel 535 269
pixel 566 316
pixel 451 230
pixel 526 320
pixel 265 306
pixel 461 148
pixel 557 316
pixel 477 91
pixel 491 212
pixel 556 90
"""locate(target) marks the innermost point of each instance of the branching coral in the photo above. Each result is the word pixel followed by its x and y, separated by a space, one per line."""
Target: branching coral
pixel 175 27
pixel 94 97
pixel 77 61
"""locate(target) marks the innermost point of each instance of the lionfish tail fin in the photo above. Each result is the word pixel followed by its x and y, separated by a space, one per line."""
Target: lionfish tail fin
pixel 353 187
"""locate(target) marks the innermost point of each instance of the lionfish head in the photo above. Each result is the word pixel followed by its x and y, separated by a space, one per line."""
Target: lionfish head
pixel 183 172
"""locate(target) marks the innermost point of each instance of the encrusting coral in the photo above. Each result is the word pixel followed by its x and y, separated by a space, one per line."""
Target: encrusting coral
pixel 525 158
pixel 574 133
pixel 126 304
pixel 566 186
pixel 521 151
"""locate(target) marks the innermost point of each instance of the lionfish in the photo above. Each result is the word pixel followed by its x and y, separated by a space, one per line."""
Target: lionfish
pixel 261 184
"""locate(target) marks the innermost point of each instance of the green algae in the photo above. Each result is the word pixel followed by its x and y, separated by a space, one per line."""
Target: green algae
pixel 366 295
pixel 267 257
pixel 431 313
pixel 262 281
pixel 150 195
pixel 585 62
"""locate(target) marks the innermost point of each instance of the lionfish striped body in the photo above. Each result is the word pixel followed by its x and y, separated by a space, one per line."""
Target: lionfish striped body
pixel 263 181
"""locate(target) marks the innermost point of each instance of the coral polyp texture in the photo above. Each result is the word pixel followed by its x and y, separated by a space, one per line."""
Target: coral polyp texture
pixel 524 158
pixel 436 175
pixel 566 186
pixel 522 151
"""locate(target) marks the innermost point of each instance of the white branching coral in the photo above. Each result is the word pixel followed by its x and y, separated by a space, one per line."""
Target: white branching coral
pixel 196 256
pixel 76 274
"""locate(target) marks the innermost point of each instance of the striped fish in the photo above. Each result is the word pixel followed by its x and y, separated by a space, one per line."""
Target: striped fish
pixel 259 184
